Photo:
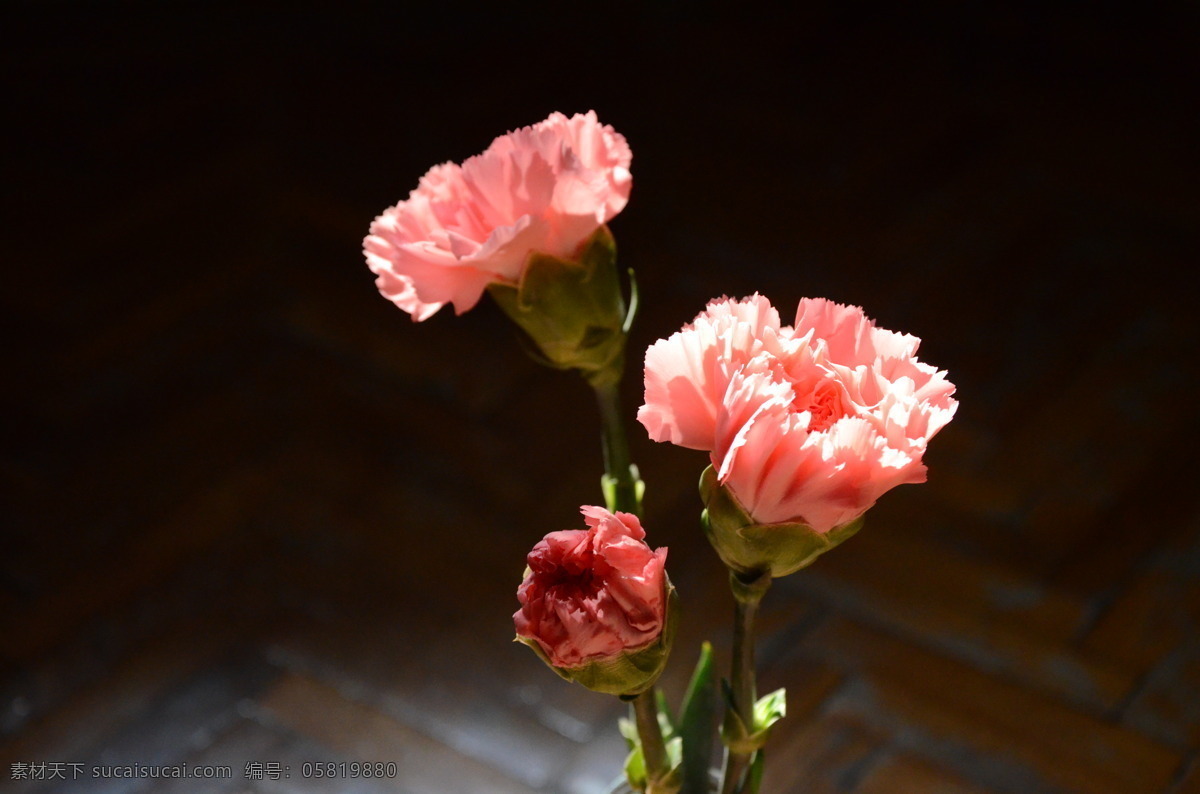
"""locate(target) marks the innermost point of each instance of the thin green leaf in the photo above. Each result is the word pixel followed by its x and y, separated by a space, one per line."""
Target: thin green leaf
pixel 727 694
pixel 665 723
pixel 633 303
pixel 608 485
pixel 754 779
pixel 674 749
pixel 628 729
pixel 696 718
pixel 639 485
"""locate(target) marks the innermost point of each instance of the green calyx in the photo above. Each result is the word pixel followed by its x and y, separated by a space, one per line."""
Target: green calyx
pixel 749 548
pixel 572 310
pixel 630 673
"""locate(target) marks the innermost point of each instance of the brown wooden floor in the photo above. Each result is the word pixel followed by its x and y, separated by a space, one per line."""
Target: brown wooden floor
pixel 254 515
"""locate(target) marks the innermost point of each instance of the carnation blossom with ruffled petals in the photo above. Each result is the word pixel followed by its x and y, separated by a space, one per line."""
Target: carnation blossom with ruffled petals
pixel 688 374
pixel 544 188
pixel 592 595
pixel 807 424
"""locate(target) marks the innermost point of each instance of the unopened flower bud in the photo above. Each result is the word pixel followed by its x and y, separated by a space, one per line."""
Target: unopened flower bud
pixel 597 606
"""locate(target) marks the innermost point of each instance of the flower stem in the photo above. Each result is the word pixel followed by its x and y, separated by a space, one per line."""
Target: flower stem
pixel 620 473
pixel 621 490
pixel 748 592
pixel 654 752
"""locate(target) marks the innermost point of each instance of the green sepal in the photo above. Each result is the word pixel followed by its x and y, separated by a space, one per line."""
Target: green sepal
pixel 768 710
pixel 696 718
pixel 630 673
pixel 572 310
pixel 749 548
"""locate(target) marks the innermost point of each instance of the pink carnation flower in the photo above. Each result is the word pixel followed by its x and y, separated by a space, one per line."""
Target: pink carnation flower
pixel 593 594
pixel 545 188
pixel 809 423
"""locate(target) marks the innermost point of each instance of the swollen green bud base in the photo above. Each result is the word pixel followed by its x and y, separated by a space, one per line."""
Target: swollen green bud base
pixel 572 309
pixel 630 673
pixel 749 548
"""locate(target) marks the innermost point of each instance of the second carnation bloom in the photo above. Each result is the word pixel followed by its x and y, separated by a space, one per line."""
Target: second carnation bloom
pixel 804 424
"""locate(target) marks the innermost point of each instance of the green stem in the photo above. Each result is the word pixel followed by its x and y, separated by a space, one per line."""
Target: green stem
pixel 618 468
pixel 748 593
pixel 654 752
pixel 621 492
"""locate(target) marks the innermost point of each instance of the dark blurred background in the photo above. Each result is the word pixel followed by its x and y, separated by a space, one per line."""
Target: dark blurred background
pixel 255 516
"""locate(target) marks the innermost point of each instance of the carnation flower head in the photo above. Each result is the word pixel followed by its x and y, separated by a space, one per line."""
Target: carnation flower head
pixel 545 188
pixel 596 604
pixel 593 593
pixel 807 424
